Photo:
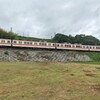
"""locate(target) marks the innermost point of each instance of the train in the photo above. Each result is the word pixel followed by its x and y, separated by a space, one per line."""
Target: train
pixel 48 45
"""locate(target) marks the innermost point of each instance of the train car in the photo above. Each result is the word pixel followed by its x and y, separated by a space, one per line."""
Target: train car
pixel 48 45
pixel 32 44
pixel 5 42
pixel 22 43
pixel 97 48
pixel 79 47
pixel 69 46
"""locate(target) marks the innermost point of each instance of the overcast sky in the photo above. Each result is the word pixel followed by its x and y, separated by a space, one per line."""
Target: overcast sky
pixel 43 18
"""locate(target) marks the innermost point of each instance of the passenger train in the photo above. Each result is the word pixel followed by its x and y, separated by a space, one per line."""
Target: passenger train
pixel 48 45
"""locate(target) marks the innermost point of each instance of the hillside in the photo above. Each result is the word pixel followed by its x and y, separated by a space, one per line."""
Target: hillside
pixel 80 39
pixel 12 35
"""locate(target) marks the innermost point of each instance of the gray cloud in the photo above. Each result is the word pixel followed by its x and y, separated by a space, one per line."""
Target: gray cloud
pixel 43 18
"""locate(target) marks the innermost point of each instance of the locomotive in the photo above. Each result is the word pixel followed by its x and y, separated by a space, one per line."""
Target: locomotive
pixel 48 45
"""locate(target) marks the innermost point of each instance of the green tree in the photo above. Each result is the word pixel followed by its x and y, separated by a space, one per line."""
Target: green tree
pixel 7 35
pixel 60 38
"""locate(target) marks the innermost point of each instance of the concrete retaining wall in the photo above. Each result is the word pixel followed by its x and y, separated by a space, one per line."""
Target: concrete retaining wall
pixel 12 54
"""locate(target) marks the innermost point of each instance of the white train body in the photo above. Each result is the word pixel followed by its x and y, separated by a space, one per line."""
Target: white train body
pixel 48 45
pixel 5 42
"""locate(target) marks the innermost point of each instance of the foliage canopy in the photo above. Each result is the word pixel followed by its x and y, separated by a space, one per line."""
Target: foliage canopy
pixel 60 38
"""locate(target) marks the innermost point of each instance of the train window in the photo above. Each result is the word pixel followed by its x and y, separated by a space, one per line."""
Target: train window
pixel 44 44
pixel 73 46
pixel 61 45
pixel 53 44
pixel 28 43
pixel 25 43
pixel 31 43
pixel 97 47
pixel 40 43
pixel 8 41
pixel 15 42
pixel 49 44
pixel 57 45
pixel 20 42
pixel 93 47
pixel 87 47
pixel 35 43
pixel 67 45
pixel 77 46
pixel 3 41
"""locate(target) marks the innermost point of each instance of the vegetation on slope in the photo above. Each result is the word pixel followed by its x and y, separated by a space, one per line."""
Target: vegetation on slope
pixel 12 35
pixel 82 39
pixel 7 35
pixel 95 56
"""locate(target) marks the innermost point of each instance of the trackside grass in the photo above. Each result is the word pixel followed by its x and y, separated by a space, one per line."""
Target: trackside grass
pixel 95 63
pixel 49 81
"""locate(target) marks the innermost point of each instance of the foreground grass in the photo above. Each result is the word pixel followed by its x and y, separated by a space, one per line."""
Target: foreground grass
pixel 49 81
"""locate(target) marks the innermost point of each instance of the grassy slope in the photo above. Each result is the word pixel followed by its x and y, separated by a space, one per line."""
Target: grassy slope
pixel 49 81
pixel 97 63
pixel 33 39
pixel 95 56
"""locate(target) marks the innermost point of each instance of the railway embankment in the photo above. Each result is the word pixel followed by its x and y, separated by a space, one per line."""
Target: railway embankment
pixel 15 54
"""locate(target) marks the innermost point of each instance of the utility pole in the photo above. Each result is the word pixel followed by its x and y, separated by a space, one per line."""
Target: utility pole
pixel 55 42
pixel 11 29
pixel 11 36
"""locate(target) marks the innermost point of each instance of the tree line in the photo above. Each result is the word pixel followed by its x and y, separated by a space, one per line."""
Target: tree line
pixel 80 39
pixel 7 35
pixel 59 38
pixel 11 35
